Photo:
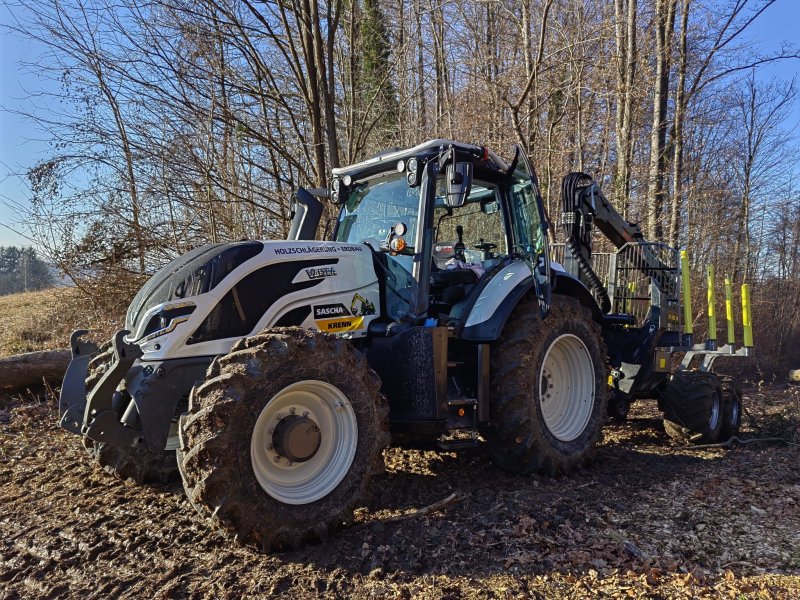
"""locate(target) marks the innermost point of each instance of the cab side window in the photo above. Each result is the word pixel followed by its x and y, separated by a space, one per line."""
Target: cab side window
pixel 480 216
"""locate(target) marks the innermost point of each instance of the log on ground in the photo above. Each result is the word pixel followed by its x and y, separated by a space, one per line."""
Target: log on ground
pixel 33 368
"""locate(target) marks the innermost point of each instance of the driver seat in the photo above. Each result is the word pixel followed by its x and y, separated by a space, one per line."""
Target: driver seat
pixel 447 277
pixel 452 285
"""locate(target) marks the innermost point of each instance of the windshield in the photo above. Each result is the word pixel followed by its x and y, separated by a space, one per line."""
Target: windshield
pixel 374 206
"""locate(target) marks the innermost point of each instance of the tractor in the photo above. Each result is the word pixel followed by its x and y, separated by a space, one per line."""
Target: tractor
pixel 271 375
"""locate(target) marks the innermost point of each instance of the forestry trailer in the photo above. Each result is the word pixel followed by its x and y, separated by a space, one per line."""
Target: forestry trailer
pixel 435 313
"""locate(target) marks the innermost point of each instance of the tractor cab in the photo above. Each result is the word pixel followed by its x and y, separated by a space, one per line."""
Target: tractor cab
pixel 445 217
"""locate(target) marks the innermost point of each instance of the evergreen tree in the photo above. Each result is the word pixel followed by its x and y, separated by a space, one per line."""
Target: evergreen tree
pixel 21 270
pixel 378 91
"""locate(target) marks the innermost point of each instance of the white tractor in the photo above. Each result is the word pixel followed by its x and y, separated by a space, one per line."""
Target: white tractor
pixel 278 371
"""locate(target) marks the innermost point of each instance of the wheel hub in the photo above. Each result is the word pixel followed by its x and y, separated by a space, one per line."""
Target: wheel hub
pixel 296 438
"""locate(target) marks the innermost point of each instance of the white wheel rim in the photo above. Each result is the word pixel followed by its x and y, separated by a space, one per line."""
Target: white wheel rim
pixel 714 418
pixel 305 482
pixel 734 413
pixel 566 387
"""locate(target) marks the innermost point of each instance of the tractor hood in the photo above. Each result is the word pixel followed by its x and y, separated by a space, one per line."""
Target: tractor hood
pixel 196 272
pixel 204 301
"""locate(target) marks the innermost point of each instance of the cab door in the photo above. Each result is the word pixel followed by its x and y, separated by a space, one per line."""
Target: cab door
pixel 529 227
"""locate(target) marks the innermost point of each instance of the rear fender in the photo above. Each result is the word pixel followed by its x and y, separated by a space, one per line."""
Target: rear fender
pixel 496 302
pixel 565 284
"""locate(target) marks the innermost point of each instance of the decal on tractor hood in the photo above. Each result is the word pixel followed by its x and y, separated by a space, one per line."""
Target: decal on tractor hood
pixel 337 317
pixel 315 273
pixel 317 249
pixel 330 310
pixel 359 307
pixel 320 272
pixel 340 325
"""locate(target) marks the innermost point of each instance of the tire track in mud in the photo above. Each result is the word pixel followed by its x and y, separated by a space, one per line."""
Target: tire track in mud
pixel 68 529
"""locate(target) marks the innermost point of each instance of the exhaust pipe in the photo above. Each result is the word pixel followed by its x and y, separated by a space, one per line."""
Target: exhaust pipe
pixel 307 214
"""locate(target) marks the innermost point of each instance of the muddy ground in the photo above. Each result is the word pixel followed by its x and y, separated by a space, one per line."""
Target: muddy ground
pixel 647 519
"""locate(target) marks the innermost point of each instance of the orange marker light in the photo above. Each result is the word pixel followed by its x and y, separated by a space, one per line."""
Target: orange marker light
pixel 397 244
pixel 461 412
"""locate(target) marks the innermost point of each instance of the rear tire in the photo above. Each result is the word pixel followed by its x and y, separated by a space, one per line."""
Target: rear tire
pixel 732 413
pixel 692 402
pixel 536 426
pixel 140 464
pixel 234 462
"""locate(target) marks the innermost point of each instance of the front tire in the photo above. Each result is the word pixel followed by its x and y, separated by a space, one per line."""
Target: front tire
pixel 549 381
pixel 138 463
pixel 283 438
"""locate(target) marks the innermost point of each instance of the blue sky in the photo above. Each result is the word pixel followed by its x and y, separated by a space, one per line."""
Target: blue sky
pixel 21 146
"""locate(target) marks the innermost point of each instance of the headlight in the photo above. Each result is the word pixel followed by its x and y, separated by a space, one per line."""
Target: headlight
pixel 166 320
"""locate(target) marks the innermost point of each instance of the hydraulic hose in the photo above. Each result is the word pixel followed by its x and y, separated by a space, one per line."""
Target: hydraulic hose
pixel 574 207
pixel 594 281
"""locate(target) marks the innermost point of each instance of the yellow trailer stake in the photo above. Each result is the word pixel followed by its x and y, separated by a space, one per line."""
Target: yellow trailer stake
pixel 729 310
pixel 747 320
pixel 712 300
pixel 687 297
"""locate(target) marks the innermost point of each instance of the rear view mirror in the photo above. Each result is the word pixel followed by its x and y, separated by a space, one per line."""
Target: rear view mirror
pixel 459 183
pixel 490 207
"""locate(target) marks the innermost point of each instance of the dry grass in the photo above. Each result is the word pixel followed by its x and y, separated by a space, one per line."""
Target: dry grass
pixel 44 320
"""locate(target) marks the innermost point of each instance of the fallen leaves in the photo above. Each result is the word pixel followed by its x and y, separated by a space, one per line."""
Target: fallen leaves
pixel 647 520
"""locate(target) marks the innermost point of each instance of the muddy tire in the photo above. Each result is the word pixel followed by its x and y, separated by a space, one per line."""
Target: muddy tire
pixel 139 464
pixel 536 424
pixel 732 411
pixel 618 406
pixel 283 438
pixel 692 402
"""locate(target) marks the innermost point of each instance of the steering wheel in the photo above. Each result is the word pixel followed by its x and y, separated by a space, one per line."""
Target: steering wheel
pixel 485 246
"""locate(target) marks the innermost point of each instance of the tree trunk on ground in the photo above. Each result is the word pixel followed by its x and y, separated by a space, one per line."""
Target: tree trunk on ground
pixel 23 370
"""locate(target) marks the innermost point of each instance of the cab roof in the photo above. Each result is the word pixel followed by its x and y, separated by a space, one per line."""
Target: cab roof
pixel 388 159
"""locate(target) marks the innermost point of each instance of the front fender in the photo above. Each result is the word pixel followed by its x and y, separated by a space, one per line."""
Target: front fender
pixel 489 330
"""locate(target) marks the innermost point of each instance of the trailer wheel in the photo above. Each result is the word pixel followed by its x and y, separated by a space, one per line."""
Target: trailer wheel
pixel 732 411
pixel 283 438
pixel 692 402
pixel 549 381
pixel 140 464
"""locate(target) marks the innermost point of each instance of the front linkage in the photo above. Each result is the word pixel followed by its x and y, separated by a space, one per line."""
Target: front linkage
pixel 94 415
pixel 125 407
